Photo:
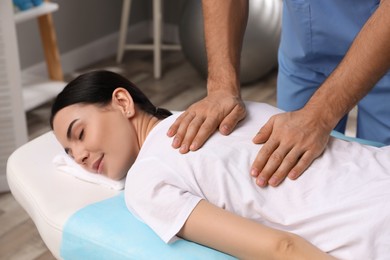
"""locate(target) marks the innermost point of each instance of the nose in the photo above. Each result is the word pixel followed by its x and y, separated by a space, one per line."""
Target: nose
pixel 80 155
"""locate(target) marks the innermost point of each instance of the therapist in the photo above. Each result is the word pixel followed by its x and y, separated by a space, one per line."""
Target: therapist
pixel 333 55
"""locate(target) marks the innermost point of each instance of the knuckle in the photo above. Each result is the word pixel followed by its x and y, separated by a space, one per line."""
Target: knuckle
pixel 265 175
pixel 290 160
pixel 306 160
pixel 280 174
pixel 266 150
pixel 276 157
pixel 208 126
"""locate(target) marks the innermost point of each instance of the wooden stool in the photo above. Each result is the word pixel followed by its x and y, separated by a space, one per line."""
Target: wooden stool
pixel 157 45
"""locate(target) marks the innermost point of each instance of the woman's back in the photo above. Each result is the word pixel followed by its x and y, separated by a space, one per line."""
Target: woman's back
pixel 340 204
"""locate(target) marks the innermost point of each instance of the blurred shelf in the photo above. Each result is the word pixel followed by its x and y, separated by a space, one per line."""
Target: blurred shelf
pixel 37 91
pixel 44 8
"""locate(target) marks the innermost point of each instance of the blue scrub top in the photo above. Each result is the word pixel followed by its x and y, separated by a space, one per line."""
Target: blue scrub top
pixel 316 34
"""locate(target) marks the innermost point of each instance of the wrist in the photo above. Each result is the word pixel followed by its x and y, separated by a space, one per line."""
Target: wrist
pixel 224 86
pixel 321 116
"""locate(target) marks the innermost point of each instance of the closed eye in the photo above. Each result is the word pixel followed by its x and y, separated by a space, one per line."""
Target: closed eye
pixel 81 136
pixel 68 152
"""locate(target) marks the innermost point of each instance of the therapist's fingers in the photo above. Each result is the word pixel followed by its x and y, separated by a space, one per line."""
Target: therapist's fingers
pixel 231 120
pixel 271 166
pixel 175 126
pixel 200 129
pixel 263 136
pixel 262 158
pixel 291 143
pixel 275 177
pixel 193 127
pixel 305 160
pixel 180 128
pixel 208 127
pixel 212 121
pixel 264 133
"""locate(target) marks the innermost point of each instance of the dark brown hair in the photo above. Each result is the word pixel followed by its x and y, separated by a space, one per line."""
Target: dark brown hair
pixel 96 87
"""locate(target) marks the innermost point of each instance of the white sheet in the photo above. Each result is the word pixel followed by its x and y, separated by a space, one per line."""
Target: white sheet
pixel 66 164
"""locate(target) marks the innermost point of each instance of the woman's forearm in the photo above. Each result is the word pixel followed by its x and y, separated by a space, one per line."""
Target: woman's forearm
pixel 224 23
pixel 219 229
pixel 367 60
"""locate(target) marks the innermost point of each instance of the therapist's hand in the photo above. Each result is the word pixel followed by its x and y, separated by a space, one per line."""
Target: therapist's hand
pixel 219 109
pixel 292 141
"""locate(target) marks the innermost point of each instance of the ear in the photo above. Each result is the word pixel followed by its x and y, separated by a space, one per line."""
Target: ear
pixel 122 100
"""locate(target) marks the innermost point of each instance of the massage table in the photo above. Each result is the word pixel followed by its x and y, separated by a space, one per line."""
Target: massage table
pixel 81 220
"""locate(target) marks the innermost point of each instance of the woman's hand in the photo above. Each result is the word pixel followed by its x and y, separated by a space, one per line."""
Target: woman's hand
pixel 291 142
pixel 219 109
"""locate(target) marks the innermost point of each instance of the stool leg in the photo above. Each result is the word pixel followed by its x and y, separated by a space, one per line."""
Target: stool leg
pixel 157 24
pixel 123 29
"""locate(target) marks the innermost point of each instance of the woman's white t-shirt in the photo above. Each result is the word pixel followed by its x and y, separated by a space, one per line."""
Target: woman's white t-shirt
pixel 341 203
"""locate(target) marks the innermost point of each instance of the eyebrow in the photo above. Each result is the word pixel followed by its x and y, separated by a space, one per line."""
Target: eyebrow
pixel 69 132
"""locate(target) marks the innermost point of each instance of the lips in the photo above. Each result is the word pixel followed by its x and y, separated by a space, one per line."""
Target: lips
pixel 97 166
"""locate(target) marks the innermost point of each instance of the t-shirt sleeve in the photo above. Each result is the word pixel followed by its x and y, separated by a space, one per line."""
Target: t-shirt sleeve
pixel 155 195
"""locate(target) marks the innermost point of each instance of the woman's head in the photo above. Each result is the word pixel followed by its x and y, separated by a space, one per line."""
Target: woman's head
pixel 98 118
pixel 96 87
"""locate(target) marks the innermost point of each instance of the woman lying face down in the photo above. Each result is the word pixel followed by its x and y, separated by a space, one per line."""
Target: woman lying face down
pixel 109 127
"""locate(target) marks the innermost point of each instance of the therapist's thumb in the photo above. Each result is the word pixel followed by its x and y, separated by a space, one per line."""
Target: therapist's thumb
pixel 231 120
pixel 264 133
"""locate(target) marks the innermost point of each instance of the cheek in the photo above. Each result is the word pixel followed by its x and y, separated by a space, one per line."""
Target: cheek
pixel 122 148
pixel 122 138
pixel 122 156
pixel 110 131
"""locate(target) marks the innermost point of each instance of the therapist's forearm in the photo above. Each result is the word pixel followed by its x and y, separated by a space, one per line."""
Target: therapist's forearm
pixel 224 22
pixel 367 60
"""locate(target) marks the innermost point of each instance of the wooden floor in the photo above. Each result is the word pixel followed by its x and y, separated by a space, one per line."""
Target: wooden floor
pixel 179 87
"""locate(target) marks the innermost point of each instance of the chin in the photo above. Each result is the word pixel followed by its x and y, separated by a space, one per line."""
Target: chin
pixel 119 176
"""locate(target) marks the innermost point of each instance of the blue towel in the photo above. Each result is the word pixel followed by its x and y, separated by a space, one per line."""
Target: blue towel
pixel 354 139
pixel 107 230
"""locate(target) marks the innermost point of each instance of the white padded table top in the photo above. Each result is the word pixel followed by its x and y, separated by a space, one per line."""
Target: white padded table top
pixel 50 206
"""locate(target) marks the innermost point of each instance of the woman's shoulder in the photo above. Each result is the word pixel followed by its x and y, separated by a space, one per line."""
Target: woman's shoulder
pixel 260 111
pixel 257 115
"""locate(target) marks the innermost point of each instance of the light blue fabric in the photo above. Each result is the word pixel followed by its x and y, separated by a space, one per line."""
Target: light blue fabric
pixel 353 139
pixel 315 37
pixel 107 230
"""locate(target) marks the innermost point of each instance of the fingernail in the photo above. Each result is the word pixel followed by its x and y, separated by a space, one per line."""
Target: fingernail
pixel 225 129
pixel 176 142
pixel 170 132
pixel 254 172
pixel 292 175
pixel 194 146
pixel 184 148
pixel 273 181
pixel 260 181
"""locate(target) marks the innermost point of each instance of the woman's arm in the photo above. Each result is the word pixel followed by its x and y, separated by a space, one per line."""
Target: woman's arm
pixel 219 229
